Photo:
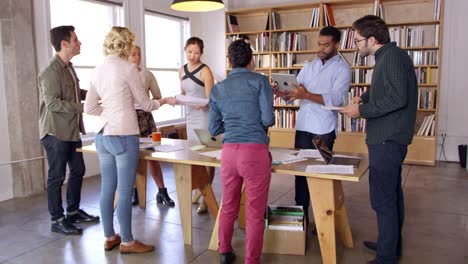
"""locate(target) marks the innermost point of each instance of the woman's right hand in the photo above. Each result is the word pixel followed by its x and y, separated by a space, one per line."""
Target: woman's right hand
pixel 169 100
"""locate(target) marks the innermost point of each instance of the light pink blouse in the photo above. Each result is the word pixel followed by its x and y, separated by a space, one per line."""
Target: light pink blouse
pixel 114 87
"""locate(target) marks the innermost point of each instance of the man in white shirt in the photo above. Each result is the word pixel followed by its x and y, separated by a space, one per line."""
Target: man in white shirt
pixel 323 82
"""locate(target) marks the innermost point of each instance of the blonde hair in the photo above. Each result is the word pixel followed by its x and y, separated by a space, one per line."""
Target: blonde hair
pixel 119 41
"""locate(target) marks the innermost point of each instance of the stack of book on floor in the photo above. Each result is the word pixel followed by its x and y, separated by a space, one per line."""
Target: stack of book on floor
pixel 285 230
pixel 285 218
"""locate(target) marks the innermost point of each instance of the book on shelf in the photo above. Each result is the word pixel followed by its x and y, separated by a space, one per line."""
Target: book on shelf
pixel 329 17
pixel 426 126
pixel 436 9
pixel 233 25
pixel 381 11
pixel 275 20
pixel 315 17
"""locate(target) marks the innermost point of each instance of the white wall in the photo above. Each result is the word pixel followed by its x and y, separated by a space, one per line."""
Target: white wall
pixel 453 106
pixel 6 177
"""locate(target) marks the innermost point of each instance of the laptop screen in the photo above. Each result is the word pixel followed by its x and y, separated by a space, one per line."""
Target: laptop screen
pixel 326 154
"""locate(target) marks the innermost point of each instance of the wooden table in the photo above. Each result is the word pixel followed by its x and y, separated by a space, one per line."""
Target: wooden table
pixel 326 193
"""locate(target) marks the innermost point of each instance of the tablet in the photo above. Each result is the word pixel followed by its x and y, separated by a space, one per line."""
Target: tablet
pixel 284 81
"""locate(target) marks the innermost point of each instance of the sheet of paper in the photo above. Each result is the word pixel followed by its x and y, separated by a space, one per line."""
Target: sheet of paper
pixel 285 158
pixel 167 148
pixel 309 153
pixel 346 156
pixel 283 150
pixel 337 169
pixel 191 100
pixel 214 154
pixel 333 108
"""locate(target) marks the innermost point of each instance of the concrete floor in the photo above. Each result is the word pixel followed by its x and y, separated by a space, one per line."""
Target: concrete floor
pixel 435 231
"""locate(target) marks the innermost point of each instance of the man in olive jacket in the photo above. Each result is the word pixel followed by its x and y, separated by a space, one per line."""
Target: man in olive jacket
pixel 61 123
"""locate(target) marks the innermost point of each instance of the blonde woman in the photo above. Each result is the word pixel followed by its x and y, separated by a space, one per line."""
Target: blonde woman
pixel 147 126
pixel 196 80
pixel 114 87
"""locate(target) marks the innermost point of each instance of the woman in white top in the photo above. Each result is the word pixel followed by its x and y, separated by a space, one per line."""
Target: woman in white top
pixel 148 126
pixel 114 87
pixel 196 80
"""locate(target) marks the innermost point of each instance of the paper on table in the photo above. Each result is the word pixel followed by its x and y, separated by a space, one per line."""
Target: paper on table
pixel 337 169
pixel 283 150
pixel 333 108
pixel 191 100
pixel 167 148
pixel 214 154
pixel 309 153
pixel 277 156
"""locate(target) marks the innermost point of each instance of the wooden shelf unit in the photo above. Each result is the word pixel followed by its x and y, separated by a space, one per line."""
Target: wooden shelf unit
pixel 400 15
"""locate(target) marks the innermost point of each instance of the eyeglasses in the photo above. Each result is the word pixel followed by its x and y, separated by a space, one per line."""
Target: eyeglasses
pixel 356 41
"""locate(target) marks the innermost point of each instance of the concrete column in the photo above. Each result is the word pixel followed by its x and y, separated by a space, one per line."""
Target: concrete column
pixel 21 131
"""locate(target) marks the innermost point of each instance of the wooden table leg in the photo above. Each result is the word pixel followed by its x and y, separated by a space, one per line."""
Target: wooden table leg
pixel 341 217
pixel 323 205
pixel 327 199
pixel 214 241
pixel 140 184
pixel 210 199
pixel 183 177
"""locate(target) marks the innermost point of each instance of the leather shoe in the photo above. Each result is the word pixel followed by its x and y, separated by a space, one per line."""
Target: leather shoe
pixel 228 258
pixel 372 247
pixel 64 227
pixel 82 217
pixel 111 244
pixel 373 262
pixel 136 248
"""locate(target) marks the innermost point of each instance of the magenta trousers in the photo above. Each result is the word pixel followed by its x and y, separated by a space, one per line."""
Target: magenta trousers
pixel 250 164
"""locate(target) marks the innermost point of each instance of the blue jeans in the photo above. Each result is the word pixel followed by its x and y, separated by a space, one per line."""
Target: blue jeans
pixel 59 153
pixel 386 195
pixel 118 158
pixel 303 140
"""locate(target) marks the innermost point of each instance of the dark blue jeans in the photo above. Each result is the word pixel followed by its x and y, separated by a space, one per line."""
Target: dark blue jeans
pixel 386 195
pixel 59 154
pixel 303 140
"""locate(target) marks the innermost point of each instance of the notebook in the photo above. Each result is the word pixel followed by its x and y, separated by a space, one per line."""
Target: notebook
pixel 206 139
pixel 330 158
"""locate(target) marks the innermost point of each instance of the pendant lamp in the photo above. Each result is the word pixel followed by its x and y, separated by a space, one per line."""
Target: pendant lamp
pixel 197 5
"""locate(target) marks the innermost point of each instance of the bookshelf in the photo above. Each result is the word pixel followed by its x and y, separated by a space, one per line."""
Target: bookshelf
pixel 283 38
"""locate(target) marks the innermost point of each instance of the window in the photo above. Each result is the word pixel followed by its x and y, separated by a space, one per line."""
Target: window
pixel 92 21
pixel 164 44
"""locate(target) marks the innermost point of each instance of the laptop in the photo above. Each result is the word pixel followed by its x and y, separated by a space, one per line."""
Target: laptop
pixel 207 139
pixel 330 158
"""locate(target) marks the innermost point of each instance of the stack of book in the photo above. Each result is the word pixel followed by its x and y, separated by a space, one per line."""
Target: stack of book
pixel 284 218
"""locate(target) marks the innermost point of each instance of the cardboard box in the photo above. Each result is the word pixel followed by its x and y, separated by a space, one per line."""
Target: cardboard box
pixel 284 242
pixel 278 241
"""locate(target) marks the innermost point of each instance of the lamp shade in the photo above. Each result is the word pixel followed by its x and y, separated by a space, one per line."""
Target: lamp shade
pixel 197 5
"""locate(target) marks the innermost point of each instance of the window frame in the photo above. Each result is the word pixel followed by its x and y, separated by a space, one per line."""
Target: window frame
pixel 184 34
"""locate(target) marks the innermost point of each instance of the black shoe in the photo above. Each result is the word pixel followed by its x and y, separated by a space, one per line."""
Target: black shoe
pixel 135 197
pixel 228 258
pixel 373 262
pixel 372 247
pixel 64 227
pixel 163 197
pixel 82 217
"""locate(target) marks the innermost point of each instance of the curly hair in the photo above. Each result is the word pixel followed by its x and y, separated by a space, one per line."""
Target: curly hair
pixel 119 41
